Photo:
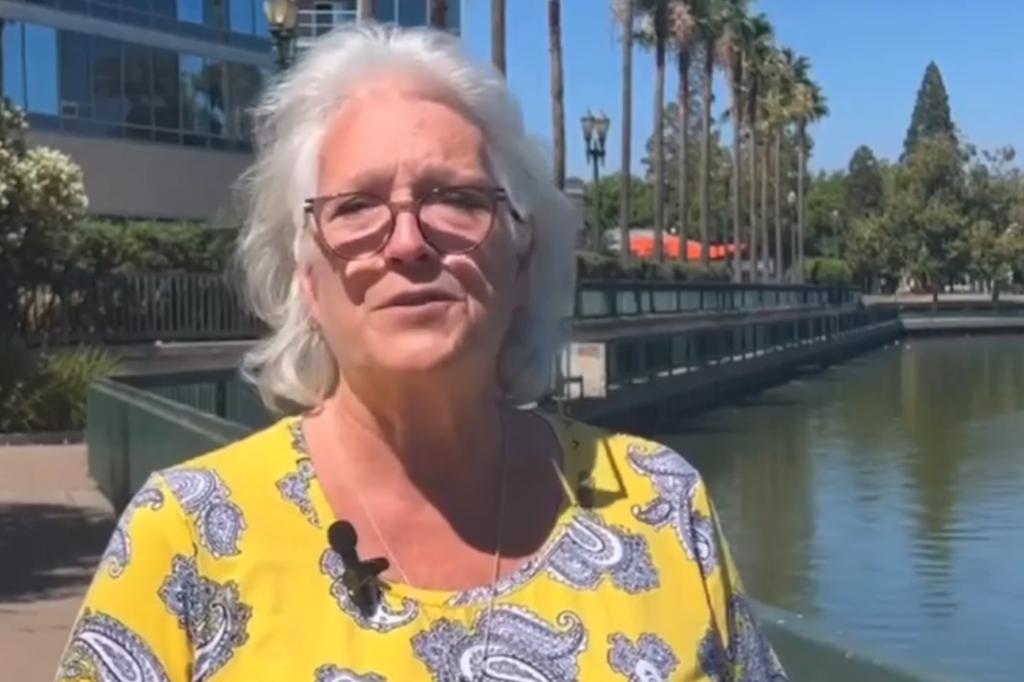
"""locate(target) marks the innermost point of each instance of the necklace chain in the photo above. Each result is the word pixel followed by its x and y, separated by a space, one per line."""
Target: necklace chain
pixel 499 533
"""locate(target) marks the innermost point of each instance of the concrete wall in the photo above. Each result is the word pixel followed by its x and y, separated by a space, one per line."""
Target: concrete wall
pixel 147 180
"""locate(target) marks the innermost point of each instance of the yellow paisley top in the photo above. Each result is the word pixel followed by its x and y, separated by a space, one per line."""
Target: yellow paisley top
pixel 219 569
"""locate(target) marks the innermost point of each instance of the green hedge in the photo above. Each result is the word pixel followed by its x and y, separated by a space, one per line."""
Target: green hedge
pixel 592 265
pixel 104 246
pixel 828 272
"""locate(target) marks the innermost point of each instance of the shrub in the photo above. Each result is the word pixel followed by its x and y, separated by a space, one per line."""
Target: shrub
pixel 828 272
pixel 592 265
pixel 46 392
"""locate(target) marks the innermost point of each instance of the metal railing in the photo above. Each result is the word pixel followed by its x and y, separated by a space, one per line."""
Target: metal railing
pixel 625 298
pixel 183 306
pixel 127 309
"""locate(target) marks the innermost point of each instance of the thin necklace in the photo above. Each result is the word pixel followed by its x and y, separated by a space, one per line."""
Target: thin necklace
pixel 499 532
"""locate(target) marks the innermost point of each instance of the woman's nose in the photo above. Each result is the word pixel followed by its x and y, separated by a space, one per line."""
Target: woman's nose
pixel 407 244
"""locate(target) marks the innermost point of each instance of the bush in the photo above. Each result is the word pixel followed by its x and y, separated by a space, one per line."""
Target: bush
pixel 102 246
pixel 591 265
pixel 828 272
pixel 46 392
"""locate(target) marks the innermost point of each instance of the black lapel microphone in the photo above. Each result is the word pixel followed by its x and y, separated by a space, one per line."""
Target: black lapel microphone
pixel 359 577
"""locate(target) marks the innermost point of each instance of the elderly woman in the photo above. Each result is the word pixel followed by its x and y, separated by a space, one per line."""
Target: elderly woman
pixel 413 260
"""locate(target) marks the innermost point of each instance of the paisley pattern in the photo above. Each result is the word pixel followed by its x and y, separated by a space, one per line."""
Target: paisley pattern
pixel 332 673
pixel 119 551
pixel 384 619
pixel 212 614
pixel 581 556
pixel 519 647
pixel 649 660
pixel 749 656
pixel 294 487
pixel 103 649
pixel 206 499
pixel 675 482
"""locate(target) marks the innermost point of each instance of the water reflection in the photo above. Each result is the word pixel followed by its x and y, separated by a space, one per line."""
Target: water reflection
pixel 886 496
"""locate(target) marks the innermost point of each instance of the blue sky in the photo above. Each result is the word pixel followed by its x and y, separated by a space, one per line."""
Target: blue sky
pixel 869 57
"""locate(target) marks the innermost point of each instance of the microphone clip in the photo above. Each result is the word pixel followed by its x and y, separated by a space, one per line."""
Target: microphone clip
pixel 360 579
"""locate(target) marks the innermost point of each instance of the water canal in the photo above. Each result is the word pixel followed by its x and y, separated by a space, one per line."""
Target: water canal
pixel 885 497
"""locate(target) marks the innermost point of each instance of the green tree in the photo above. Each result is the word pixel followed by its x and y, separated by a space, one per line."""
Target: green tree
pixel 710 17
pixel 826 213
pixel 931 115
pixel 929 202
pixel 865 193
pixel 757 53
pixel 734 39
pixel 608 202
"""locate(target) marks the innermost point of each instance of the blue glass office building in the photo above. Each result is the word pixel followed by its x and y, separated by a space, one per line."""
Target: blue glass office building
pixel 150 97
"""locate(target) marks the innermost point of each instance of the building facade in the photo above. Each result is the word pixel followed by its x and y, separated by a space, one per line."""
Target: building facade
pixel 151 97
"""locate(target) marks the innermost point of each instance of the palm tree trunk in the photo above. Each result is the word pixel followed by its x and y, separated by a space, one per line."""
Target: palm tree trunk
pixel 752 181
pixel 625 177
pixel 779 260
pixel 683 57
pixel 498 34
pixel 765 243
pixel 802 151
pixel 439 14
pixel 557 90
pixel 737 163
pixel 659 140
pixel 705 156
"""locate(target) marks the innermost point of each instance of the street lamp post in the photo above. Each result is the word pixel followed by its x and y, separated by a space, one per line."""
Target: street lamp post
pixel 595 132
pixel 282 16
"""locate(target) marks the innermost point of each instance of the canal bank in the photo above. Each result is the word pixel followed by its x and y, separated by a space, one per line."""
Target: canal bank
pixel 881 499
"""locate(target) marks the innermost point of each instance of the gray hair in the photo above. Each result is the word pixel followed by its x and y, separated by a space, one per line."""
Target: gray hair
pixel 293 367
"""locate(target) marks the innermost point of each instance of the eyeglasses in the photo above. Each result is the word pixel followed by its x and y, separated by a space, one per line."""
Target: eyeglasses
pixel 357 225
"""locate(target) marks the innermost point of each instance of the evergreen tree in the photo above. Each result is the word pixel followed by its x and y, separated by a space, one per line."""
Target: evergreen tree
pixel 931 115
pixel 865 193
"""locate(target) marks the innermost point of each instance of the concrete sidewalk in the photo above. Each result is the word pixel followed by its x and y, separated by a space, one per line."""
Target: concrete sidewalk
pixel 54 525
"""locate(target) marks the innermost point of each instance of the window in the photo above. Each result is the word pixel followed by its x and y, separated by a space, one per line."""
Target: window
pixel 190 10
pixel 242 18
pixel 106 80
pixel 213 84
pixel 41 69
pixel 384 11
pixel 193 104
pixel 245 83
pixel 412 13
pixel 166 102
pixel 138 89
pixel 75 75
pixel 262 29
pixel 14 64
pixel 454 18
pixel 215 13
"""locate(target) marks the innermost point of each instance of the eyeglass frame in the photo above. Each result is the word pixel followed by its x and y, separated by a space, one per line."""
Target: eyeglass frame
pixel 498 195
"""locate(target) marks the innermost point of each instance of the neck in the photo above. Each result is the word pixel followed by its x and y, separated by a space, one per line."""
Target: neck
pixel 420 432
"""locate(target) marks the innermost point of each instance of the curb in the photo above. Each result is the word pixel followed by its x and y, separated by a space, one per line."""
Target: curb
pixel 42 438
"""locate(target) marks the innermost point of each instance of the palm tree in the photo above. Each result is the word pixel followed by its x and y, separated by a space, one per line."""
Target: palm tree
pixel 734 38
pixel 810 105
pixel 557 89
pixel 684 34
pixel 624 11
pixel 708 16
pixel 756 52
pixel 439 14
pixel 775 114
pixel 498 34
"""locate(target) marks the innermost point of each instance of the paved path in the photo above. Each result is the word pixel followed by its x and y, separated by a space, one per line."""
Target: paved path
pixel 54 525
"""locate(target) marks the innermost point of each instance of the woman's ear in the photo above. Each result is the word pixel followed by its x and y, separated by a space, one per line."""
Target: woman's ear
pixel 310 291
